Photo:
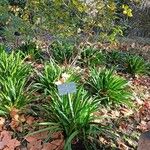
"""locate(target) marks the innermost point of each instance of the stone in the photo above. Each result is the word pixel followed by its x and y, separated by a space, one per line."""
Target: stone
pixel 144 141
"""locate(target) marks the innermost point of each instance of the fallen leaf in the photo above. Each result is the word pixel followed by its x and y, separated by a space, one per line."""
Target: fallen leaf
pixel 35 145
pixel 30 120
pixel 34 142
pixel 126 112
pixel 142 126
pixel 7 142
pixel 14 114
pixel 15 125
pixel 2 122
pixel 54 145
pixel 22 118
pixel 122 146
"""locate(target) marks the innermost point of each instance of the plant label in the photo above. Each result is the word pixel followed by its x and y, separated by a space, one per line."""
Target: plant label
pixel 66 88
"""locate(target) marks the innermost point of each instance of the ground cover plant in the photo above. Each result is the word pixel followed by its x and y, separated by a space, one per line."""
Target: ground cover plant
pixel 52 75
pixel 30 51
pixel 62 51
pixel 92 57
pixel 116 59
pixel 104 83
pixel 73 115
pixel 127 62
pixel 136 65
pixel 82 119
pixel 14 75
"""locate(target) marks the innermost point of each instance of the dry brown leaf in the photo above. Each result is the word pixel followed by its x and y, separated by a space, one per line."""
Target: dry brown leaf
pixel 148 125
pixel 115 113
pixel 57 135
pixel 102 140
pixel 7 142
pixel 122 146
pixel 30 120
pixel 39 66
pixel 142 126
pixel 2 122
pixel 48 146
pixel 15 125
pixel 126 111
pixel 14 114
pixel 54 145
pixel 22 118
pixel 36 137
pixel 35 145
pixel 57 142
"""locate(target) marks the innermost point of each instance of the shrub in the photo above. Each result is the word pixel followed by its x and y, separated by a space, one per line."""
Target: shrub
pixel 104 83
pixel 14 75
pixel 77 19
pixel 62 51
pixel 73 115
pixel 135 65
pixel 53 75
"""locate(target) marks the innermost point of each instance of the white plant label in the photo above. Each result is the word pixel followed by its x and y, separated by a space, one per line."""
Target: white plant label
pixel 66 88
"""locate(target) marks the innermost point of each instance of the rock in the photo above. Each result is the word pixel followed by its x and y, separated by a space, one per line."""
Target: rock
pixel 144 141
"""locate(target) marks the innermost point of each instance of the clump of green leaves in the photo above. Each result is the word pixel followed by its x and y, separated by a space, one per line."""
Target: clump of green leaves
pixel 11 65
pixel 46 79
pixel 92 57
pixel 29 50
pixel 13 95
pixel 136 65
pixel 62 51
pixel 106 84
pixel 52 75
pixel 14 74
pixel 116 59
pixel 73 115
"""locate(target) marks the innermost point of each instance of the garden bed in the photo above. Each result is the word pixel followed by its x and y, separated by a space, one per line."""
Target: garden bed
pixel 109 110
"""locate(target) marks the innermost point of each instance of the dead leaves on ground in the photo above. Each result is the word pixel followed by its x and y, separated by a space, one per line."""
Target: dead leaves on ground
pixel 2 122
pixel 35 142
pixel 7 142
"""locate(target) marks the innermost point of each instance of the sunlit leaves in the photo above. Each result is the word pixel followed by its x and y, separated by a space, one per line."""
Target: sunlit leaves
pixel 72 114
pixel 127 10
pixel 14 75
pixel 105 84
